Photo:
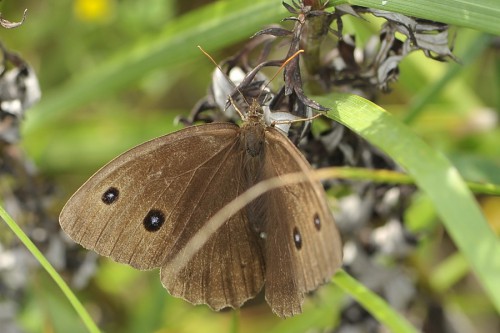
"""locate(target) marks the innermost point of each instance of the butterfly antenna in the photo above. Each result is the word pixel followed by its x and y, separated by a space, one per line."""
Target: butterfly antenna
pixel 282 67
pixel 227 77
pixel 212 60
pixel 286 62
pixel 236 108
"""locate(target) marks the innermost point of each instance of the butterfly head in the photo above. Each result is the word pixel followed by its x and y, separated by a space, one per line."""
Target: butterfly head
pixel 247 93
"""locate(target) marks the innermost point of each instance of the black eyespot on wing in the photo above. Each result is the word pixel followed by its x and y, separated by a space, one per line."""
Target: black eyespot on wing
pixel 317 222
pixel 297 238
pixel 110 196
pixel 154 220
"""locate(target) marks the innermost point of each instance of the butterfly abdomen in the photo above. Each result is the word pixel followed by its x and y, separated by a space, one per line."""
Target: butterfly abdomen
pixel 252 139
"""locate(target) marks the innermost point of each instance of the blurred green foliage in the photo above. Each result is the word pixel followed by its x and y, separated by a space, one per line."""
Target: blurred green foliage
pixel 81 124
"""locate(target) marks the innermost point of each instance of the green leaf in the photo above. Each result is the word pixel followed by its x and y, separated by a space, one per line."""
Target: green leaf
pixel 434 175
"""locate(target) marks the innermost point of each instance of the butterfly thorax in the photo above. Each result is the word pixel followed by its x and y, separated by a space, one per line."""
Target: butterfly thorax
pixel 252 144
pixel 253 132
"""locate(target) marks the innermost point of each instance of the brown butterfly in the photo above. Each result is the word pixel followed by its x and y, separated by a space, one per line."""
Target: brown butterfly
pixel 144 206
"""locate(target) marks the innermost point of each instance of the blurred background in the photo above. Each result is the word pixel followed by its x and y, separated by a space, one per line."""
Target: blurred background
pixel 83 121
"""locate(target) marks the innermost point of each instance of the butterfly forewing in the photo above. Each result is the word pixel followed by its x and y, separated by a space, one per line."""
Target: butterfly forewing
pixel 185 186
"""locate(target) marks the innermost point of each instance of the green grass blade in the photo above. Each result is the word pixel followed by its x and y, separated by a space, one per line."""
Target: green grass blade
pixel 393 177
pixel 434 175
pixel 373 303
pixel 84 315
pixel 207 26
pixel 449 272
pixel 481 15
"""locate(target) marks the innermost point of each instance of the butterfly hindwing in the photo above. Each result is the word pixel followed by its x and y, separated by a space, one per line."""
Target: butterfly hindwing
pixel 312 251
